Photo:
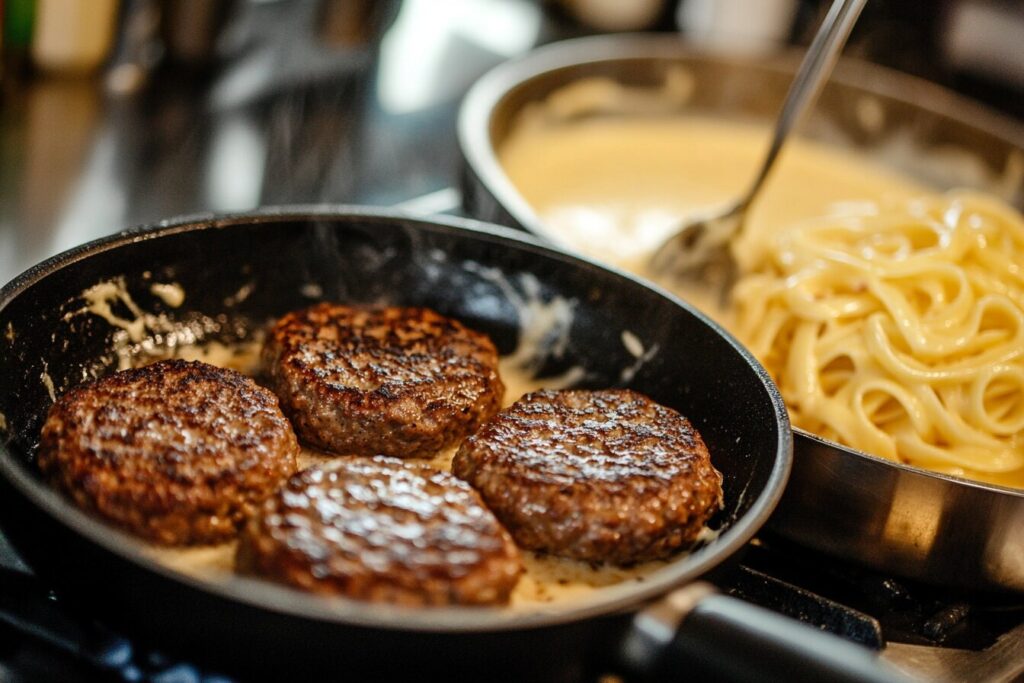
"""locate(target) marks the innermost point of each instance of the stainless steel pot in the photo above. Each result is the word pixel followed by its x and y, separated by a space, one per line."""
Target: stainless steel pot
pixel 894 517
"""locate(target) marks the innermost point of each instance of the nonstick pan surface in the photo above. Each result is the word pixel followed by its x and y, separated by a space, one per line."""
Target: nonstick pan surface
pixel 237 273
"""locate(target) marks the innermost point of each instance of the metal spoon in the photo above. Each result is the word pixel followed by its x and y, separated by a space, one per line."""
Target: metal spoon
pixel 699 250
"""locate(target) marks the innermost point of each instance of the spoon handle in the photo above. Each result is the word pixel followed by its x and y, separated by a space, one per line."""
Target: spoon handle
pixel 814 71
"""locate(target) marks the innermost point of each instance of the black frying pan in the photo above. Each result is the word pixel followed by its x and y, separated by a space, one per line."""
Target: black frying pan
pixel 284 259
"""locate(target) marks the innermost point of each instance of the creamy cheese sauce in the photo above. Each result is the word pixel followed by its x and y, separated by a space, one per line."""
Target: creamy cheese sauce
pixel 47 381
pixel 243 358
pixel 100 300
pixel 171 293
pixel 140 333
pixel 613 187
pixel 544 326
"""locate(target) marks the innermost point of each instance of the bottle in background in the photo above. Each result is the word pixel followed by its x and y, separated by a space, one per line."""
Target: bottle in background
pixel 73 36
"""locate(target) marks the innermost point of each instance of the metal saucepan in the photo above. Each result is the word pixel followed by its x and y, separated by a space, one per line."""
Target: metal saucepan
pixel 238 272
pixel 896 518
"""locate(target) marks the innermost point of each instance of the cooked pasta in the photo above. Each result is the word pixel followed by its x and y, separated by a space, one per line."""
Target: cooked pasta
pixel 895 325
pixel 898 330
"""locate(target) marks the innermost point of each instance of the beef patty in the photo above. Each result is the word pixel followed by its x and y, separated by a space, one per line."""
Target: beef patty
pixel 404 382
pixel 384 530
pixel 177 452
pixel 603 476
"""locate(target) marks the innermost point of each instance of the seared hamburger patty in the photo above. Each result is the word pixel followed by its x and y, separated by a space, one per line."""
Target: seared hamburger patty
pixel 176 452
pixel 404 382
pixel 382 530
pixel 604 476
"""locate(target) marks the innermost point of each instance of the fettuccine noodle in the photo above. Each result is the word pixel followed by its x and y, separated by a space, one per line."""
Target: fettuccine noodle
pixel 898 330
pixel 894 325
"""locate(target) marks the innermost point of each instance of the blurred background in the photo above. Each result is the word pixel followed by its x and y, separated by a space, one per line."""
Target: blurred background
pixel 115 113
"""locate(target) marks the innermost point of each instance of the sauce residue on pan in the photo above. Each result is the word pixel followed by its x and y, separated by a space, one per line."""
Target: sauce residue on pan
pixel 100 300
pixel 47 381
pixel 171 293
pixel 242 357
pixel 140 333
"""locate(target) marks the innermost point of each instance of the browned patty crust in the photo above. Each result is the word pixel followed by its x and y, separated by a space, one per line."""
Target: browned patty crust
pixel 383 530
pixel 603 476
pixel 177 452
pixel 404 382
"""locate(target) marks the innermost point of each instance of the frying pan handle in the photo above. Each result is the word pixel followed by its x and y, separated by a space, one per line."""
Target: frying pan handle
pixel 709 636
